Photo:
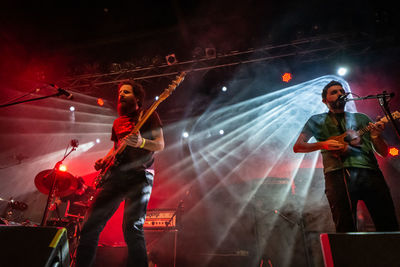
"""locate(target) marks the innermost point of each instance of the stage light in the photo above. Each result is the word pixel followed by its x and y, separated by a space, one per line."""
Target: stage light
pixel 221 132
pixel 156 60
pixel 115 67
pixel 393 151
pixel 198 52
pixel 224 89
pixel 72 108
pixel 97 140
pixel 185 134
pixel 40 75
pixel 342 71
pixel 156 98
pixel 171 59
pixel 211 52
pixel 100 101
pixel 286 77
pixel 62 168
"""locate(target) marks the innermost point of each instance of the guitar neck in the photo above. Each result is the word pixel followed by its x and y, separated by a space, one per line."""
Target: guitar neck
pixel 364 130
pixel 385 119
pixel 143 119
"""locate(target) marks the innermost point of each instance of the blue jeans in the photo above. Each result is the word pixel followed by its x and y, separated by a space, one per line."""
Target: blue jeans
pixel 133 187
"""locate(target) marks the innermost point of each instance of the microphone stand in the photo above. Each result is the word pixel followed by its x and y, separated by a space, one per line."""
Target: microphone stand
pixel 53 187
pixel 178 212
pixel 383 100
pixel 32 99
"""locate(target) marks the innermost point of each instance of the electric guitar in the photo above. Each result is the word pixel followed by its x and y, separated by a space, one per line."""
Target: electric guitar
pixel 116 156
pixel 353 138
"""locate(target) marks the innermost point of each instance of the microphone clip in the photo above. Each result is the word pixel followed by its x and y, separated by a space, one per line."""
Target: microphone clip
pixel 74 143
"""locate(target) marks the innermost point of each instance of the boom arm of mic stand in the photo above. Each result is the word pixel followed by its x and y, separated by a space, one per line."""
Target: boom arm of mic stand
pixel 28 100
pixel 385 107
pixel 383 102
pixel 179 208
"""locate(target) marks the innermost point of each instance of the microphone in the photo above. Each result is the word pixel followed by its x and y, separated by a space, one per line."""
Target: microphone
pixel 64 92
pixel 342 98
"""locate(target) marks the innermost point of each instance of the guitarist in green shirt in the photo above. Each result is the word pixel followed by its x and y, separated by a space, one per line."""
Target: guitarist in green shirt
pixel 348 142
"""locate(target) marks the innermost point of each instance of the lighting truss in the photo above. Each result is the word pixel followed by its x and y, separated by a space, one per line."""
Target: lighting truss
pixel 305 50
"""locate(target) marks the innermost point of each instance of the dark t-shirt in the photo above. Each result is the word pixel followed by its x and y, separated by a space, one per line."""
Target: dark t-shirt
pixel 322 126
pixel 135 158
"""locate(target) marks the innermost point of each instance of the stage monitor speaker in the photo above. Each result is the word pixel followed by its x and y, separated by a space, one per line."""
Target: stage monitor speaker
pixel 33 246
pixel 361 249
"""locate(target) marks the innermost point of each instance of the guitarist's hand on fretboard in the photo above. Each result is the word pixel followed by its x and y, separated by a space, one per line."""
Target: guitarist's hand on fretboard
pixel 376 128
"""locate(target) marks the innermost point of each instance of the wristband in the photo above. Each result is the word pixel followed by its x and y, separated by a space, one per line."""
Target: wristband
pixel 143 142
pixel 325 146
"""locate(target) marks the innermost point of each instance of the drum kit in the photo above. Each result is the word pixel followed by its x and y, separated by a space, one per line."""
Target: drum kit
pixel 69 190
pixel 12 212
pixel 68 193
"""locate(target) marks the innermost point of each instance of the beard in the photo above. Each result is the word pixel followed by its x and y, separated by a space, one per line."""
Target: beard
pixel 337 104
pixel 123 109
pixel 126 107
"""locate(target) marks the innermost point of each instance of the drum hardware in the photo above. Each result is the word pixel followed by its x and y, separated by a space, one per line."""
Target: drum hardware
pixel 65 183
pixel 55 182
pixel 73 226
pixel 12 206
pixel 71 191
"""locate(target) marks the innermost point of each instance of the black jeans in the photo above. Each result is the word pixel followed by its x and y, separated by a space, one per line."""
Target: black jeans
pixel 363 184
pixel 135 188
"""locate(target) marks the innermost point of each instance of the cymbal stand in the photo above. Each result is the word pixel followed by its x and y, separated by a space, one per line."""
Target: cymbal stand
pixel 53 185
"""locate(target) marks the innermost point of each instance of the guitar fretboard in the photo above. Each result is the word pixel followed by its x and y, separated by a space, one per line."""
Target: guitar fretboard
pixel 395 115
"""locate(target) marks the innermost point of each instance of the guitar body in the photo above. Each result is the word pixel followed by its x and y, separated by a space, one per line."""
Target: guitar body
pixel 107 170
pixel 350 137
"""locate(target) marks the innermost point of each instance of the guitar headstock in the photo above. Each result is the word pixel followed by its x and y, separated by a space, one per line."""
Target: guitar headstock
pixel 395 116
pixel 168 91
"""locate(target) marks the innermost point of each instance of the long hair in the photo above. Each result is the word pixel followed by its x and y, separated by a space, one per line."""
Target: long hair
pixel 137 89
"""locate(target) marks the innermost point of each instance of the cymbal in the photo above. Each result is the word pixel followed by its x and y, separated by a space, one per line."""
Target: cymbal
pixel 66 183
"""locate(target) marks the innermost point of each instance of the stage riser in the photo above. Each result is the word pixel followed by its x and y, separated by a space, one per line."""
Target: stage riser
pixel 22 246
pixel 361 249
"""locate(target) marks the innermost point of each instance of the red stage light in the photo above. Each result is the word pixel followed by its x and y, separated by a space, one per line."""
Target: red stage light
pixel 62 168
pixel 100 101
pixel 286 77
pixel 393 151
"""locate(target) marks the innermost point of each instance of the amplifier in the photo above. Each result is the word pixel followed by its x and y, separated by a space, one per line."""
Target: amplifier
pixel 159 218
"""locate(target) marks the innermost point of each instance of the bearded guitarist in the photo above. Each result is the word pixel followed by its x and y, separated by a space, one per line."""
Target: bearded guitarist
pixel 350 167
pixel 132 181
